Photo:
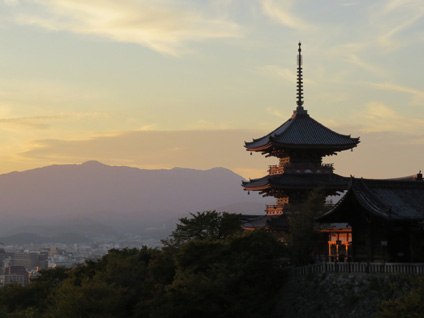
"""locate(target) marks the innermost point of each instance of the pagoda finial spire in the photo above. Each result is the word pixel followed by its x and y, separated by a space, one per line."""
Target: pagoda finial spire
pixel 299 102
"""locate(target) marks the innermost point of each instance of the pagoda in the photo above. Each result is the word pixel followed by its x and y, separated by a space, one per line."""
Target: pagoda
pixel 300 144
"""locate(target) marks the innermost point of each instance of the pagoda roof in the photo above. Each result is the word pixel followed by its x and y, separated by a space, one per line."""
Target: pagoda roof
pixel 292 181
pixel 302 131
pixel 391 199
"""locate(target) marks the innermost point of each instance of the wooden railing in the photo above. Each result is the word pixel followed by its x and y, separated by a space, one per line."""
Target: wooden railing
pixel 309 168
pixel 275 209
pixel 274 169
pixel 386 268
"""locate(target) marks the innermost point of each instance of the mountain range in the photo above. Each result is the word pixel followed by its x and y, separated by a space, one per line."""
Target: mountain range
pixel 96 198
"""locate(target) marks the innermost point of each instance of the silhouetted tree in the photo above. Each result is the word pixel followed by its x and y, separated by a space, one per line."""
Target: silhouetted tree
pixel 212 269
pixel 238 276
pixel 409 305
pixel 204 225
pixel 302 237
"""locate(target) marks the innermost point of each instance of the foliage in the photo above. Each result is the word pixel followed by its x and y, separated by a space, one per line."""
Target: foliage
pixel 212 269
pixel 28 302
pixel 204 225
pixel 235 277
pixel 302 238
pixel 409 305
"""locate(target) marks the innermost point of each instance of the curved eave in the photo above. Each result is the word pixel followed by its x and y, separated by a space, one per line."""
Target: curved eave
pixel 261 143
pixel 272 145
pixel 297 182
pixel 256 184
pixel 264 148
pixel 331 147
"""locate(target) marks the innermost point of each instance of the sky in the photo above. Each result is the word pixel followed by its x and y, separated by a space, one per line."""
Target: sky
pixel 158 84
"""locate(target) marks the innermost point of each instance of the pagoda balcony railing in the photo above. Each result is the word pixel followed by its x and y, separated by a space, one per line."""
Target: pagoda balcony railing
pixel 275 169
pixel 301 168
pixel 275 209
pixel 309 168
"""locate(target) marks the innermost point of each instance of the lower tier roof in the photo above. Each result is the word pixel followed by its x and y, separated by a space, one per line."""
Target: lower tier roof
pixel 295 181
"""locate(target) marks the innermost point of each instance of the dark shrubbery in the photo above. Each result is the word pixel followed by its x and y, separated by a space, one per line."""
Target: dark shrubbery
pixel 208 268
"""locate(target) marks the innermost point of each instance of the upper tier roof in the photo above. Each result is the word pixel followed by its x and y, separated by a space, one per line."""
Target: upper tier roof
pixel 302 131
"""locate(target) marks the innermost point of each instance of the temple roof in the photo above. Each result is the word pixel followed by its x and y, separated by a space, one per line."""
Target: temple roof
pixel 388 199
pixel 302 131
pixel 289 181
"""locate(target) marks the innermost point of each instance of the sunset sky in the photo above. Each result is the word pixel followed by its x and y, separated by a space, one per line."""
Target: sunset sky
pixel 183 83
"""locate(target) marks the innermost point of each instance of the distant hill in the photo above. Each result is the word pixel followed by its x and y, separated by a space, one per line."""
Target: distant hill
pixel 97 197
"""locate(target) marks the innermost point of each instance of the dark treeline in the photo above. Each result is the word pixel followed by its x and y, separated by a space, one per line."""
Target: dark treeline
pixel 208 267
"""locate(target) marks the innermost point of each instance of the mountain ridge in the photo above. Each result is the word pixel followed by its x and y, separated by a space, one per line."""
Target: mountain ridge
pixel 121 197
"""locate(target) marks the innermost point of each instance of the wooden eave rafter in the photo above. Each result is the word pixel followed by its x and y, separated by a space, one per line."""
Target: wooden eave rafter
pixel 275 146
pixel 272 187
pixel 257 188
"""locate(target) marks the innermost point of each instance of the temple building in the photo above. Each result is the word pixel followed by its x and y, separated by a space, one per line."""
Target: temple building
pixel 375 221
pixel 300 144
pixel 384 221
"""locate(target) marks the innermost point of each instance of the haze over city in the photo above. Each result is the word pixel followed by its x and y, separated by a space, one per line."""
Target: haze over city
pixel 163 84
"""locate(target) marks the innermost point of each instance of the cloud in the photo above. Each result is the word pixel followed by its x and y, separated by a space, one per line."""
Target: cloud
pixel 207 149
pixel 36 122
pixel 276 113
pixel 380 118
pixel 42 122
pixel 198 149
pixel 281 12
pixel 387 39
pixel 417 95
pixel 11 2
pixel 163 26
pixel 391 18
pixel 356 60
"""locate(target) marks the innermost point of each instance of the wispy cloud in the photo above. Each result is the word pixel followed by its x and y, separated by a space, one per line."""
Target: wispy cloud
pixel 170 149
pixel 417 95
pixel 276 113
pixel 11 2
pixel 163 26
pixel 356 60
pixel 387 39
pixel 281 11
pixel 36 122
pixel 391 18
pixel 377 117
pixel 42 122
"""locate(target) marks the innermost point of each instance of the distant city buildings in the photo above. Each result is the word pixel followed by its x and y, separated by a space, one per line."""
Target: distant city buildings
pixel 15 274
pixel 20 263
